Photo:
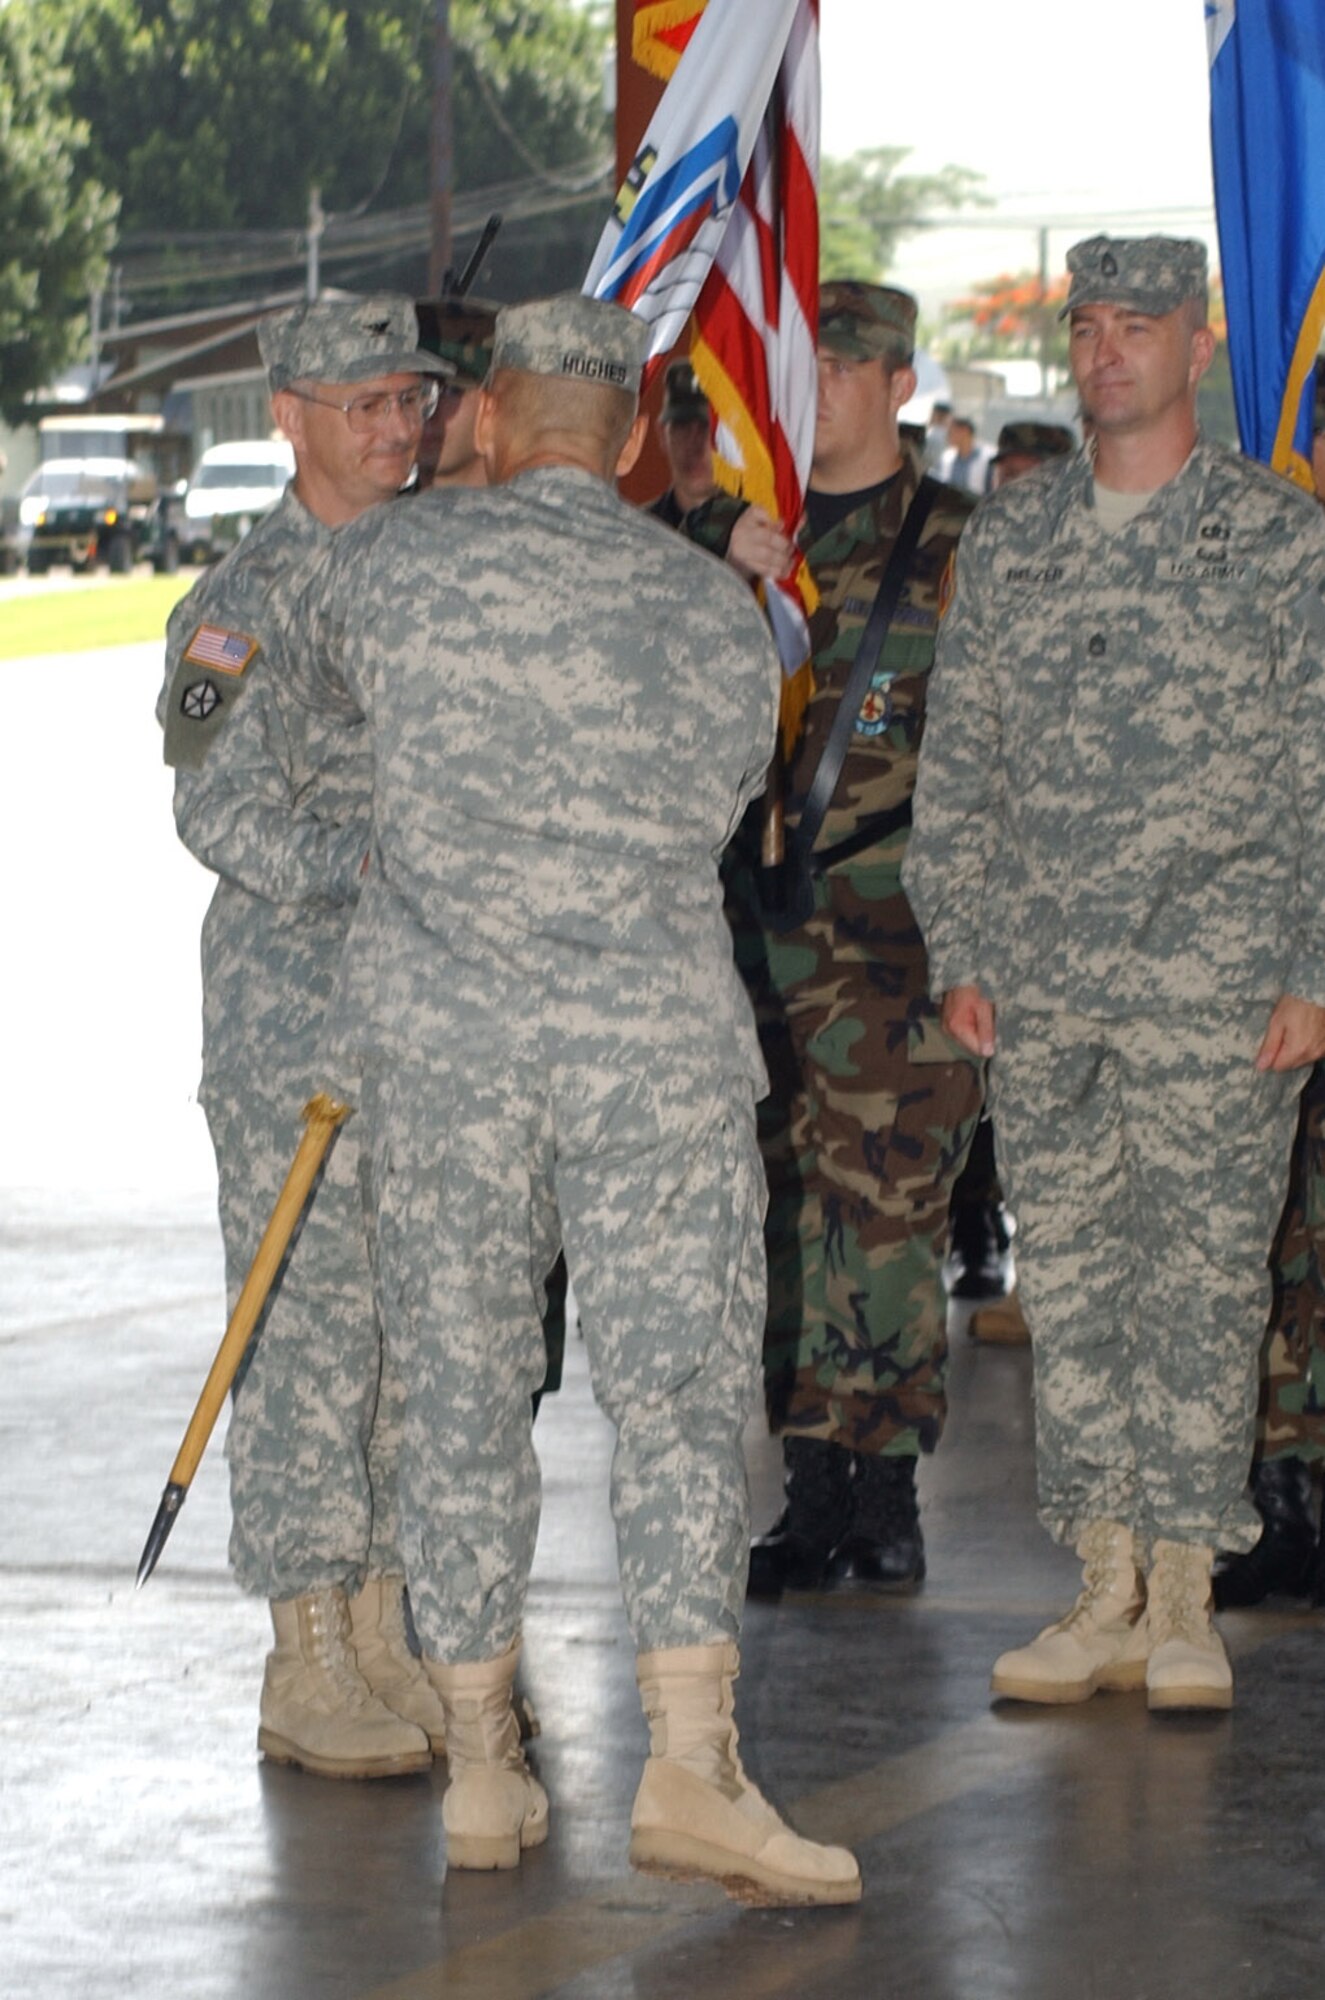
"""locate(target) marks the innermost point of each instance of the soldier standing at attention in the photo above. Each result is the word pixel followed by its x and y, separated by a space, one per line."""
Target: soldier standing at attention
pixel 1119 865
pixel 872 1108
pixel 541 1022
pixel 313 1437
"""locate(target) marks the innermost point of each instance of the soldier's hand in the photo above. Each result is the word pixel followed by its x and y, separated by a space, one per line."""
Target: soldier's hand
pixel 968 1016
pixel 758 547
pixel 1295 1036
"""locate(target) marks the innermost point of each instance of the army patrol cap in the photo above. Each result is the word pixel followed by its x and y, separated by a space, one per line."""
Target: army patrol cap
pixel 867 321
pixel 1032 440
pixel 583 339
pixel 461 331
pixel 345 340
pixel 684 402
pixel 1149 274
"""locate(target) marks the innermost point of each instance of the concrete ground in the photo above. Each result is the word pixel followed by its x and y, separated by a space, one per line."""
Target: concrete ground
pixel 1097 1852
pixel 145 1851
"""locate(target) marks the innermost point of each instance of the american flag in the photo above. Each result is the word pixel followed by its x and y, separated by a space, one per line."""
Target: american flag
pixel 718 217
pixel 213 646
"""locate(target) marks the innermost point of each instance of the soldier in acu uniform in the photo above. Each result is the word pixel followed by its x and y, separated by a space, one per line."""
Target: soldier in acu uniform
pixel 541 1021
pixel 283 819
pixel 1120 846
pixel 872 1108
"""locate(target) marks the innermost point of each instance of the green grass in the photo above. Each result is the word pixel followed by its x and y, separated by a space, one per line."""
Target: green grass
pixel 117 612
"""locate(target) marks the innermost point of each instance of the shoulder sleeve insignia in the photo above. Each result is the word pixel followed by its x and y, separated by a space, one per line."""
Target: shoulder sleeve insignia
pixel 227 652
pixel 947 585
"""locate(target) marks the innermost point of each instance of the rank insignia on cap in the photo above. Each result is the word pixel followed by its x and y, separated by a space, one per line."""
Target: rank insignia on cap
pixel 947 585
pixel 200 701
pixel 213 646
pixel 1109 264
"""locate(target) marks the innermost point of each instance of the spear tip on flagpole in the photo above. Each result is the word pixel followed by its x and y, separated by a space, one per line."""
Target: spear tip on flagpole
pixel 171 1501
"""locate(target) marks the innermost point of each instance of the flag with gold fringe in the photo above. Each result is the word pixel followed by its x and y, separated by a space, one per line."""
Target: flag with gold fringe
pixel 1267 125
pixel 716 229
pixel 660 31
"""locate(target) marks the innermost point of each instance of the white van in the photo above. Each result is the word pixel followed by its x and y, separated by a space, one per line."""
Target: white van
pixel 232 486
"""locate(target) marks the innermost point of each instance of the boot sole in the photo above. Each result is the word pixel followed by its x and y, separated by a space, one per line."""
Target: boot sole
pixel 280 1750
pixel 678 1857
pixel 1189 1697
pixel 1118 1679
pixel 479 1851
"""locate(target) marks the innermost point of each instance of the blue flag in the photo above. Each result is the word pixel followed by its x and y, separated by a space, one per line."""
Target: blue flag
pixel 1267 125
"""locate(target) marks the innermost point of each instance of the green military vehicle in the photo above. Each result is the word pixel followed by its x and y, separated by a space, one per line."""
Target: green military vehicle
pixel 106 494
pixel 97 511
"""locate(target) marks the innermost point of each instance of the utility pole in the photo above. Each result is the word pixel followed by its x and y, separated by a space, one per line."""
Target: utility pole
pixel 439 176
pixel 317 222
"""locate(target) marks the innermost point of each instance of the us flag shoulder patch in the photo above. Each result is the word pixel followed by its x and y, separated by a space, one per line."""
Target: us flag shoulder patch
pixel 227 652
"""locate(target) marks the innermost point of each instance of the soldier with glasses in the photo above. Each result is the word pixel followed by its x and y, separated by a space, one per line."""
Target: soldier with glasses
pixel 285 827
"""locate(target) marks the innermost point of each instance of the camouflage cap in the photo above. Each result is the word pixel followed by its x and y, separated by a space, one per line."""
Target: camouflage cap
pixel 1150 274
pixel 587 340
pixel 344 340
pixel 684 402
pixel 861 321
pixel 461 331
pixel 1031 440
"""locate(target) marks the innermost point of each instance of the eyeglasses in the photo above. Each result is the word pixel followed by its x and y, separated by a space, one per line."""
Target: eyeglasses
pixel 365 414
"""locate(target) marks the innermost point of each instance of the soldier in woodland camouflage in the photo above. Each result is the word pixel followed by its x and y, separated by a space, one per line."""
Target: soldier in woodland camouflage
pixel 871 1108
pixel 540 1018
pixel 1290 1428
pixel 283 819
pixel 1119 848
pixel 683 429
pixel 459 331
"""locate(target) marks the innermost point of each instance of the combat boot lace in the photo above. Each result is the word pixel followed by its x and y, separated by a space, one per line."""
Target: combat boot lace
pixel 1188 1667
pixel 696 1813
pixel 318 1711
pixel 387 1662
pixel 494 1807
pixel 1102 1641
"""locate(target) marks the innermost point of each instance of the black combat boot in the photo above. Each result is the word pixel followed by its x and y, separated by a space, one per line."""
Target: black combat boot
pixel 979 1263
pixel 884 1549
pixel 1284 1559
pixel 794 1554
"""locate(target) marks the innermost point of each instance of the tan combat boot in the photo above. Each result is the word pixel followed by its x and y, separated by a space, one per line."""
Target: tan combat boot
pixel 317 1709
pixel 494 1806
pixel 697 1814
pixel 392 1671
pixel 1102 1641
pixel 1188 1667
